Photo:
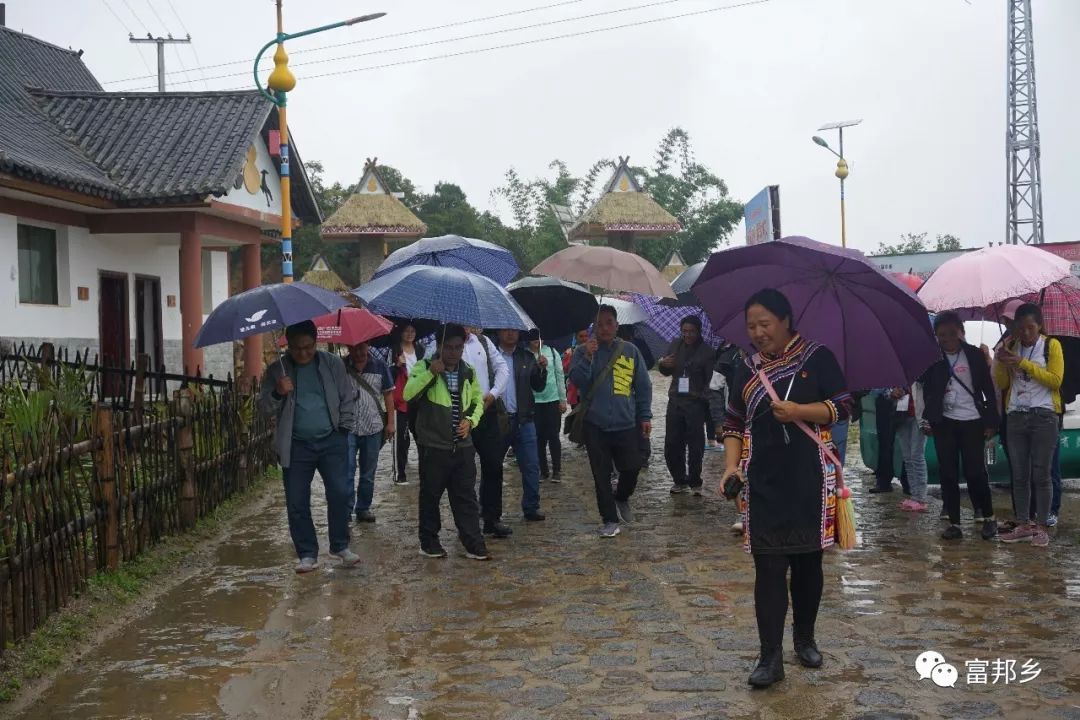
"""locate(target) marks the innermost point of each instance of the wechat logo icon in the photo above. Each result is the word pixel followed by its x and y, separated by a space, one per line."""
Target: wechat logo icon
pixel 931 665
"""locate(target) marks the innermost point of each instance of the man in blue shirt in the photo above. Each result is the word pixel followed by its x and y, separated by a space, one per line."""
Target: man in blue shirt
pixel 309 393
pixel 613 374
pixel 527 375
pixel 372 425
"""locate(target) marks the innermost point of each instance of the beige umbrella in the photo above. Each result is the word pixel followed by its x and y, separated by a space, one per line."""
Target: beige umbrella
pixel 607 268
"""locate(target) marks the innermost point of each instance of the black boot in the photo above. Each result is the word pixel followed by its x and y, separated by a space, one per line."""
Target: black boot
pixel 770 667
pixel 805 647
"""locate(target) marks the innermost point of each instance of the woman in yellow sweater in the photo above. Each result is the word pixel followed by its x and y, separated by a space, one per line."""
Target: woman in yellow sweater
pixel 1030 369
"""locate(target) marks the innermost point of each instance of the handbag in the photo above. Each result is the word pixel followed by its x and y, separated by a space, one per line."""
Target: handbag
pixel 575 421
pixel 845 512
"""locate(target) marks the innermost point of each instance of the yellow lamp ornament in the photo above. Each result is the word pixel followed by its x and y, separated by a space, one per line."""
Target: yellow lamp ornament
pixel 281 79
pixel 841 168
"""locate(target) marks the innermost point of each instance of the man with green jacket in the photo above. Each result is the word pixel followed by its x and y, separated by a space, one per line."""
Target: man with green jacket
pixel 449 405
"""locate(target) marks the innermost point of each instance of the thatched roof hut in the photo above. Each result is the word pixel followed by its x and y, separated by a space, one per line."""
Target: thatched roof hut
pixel 322 274
pixel 372 218
pixel 624 211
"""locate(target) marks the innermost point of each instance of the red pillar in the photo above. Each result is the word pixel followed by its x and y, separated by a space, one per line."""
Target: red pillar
pixel 253 355
pixel 191 292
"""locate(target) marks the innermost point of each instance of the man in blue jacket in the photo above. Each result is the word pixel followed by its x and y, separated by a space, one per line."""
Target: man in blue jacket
pixel 611 374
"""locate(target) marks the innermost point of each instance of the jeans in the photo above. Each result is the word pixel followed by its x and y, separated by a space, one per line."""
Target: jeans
pixel 330 456
pixel 363 453
pixel 549 435
pixel 684 442
pixel 959 442
pixel 839 438
pixel 522 438
pixel 452 472
pixel 1032 438
pixel 620 450
pixel 913 447
pixel 771 594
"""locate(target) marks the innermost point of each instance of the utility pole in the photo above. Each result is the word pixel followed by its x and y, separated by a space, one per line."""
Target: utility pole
pixel 1023 166
pixel 161 42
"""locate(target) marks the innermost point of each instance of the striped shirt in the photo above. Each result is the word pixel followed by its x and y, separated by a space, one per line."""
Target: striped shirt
pixel 453 384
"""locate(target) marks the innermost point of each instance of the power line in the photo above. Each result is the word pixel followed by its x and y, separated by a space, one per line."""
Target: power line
pixel 390 36
pixel 548 23
pixel 136 16
pixel 194 52
pixel 159 19
pixel 128 30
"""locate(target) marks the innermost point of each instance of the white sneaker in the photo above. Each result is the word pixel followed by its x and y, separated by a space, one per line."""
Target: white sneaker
pixel 737 526
pixel 348 558
pixel 306 565
pixel 609 530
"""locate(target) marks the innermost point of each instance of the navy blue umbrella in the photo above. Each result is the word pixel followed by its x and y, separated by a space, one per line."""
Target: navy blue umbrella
pixel 453 251
pixel 266 308
pixel 443 294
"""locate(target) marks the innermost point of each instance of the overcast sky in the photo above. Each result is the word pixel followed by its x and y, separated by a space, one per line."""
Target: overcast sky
pixel 750 84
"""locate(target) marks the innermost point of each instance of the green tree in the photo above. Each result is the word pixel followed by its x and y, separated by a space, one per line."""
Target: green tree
pixel 911 243
pixel 447 211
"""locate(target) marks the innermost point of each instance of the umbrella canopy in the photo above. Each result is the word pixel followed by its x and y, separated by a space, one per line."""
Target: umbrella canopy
pixel 1060 303
pixel 877 329
pixel 683 285
pixel 266 308
pixel 557 307
pixel 628 312
pixel 453 251
pixel 993 275
pixel 352 326
pixel 443 294
pixel 912 282
pixel 607 268
pixel 666 320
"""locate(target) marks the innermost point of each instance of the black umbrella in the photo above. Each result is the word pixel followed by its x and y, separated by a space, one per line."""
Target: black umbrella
pixel 556 306
pixel 682 284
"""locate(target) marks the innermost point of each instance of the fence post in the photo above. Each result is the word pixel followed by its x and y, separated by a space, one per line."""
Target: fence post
pixel 185 445
pixel 105 467
pixel 142 364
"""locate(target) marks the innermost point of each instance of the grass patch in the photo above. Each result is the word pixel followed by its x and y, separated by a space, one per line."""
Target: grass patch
pixel 48 646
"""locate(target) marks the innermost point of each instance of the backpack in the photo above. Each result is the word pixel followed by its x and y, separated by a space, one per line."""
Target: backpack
pixel 1070 382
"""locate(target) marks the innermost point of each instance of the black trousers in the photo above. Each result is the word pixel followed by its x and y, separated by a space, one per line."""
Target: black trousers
pixel 684 442
pixel 771 593
pixel 959 442
pixel 452 472
pixel 402 443
pixel 491 449
pixel 548 437
pixel 886 433
pixel 608 451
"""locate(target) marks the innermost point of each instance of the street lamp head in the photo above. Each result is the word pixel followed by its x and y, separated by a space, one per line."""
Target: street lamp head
pixel 821 141
pixel 365 18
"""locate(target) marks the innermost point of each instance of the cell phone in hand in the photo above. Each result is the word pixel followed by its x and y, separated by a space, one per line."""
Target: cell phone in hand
pixel 732 486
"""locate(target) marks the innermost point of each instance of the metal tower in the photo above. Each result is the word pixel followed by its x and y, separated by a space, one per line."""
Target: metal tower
pixel 1024 175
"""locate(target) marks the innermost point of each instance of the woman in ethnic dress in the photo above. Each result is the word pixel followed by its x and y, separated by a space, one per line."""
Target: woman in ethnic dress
pixel 785 477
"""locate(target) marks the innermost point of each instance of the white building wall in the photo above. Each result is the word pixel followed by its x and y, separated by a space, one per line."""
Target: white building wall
pixel 73 323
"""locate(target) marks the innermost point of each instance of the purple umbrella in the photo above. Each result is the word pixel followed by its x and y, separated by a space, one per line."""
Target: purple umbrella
pixel 876 327
pixel 666 320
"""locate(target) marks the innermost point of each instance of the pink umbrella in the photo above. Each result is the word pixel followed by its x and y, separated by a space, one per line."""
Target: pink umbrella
pixel 914 282
pixel 607 268
pixel 1060 304
pixel 986 277
pixel 351 326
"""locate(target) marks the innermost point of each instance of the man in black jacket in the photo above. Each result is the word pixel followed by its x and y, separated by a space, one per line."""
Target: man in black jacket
pixel 527 375
pixel 689 363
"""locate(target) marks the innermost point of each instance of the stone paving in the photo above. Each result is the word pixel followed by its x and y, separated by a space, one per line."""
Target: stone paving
pixel 656 623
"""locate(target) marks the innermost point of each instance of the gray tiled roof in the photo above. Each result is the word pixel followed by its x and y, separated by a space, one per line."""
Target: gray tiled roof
pixel 135 148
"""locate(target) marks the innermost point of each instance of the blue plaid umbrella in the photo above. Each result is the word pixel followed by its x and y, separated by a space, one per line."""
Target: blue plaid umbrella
pixel 266 308
pixel 666 320
pixel 453 251
pixel 443 294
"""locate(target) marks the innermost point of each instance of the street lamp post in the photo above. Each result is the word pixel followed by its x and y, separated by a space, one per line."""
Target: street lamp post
pixel 280 83
pixel 841 168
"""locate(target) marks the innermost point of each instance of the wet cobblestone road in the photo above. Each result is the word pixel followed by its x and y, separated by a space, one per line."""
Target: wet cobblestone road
pixel 657 623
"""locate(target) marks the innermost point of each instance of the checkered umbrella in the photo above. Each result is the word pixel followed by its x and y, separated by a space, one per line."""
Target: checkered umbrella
pixel 453 251
pixel 666 320
pixel 1060 303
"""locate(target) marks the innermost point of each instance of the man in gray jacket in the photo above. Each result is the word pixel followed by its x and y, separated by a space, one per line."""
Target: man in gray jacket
pixel 309 393
pixel 619 416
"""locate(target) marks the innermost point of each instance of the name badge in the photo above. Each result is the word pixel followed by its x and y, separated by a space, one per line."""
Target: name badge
pixel 684 385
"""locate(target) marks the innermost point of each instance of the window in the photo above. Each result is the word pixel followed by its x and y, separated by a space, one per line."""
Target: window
pixel 37 265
